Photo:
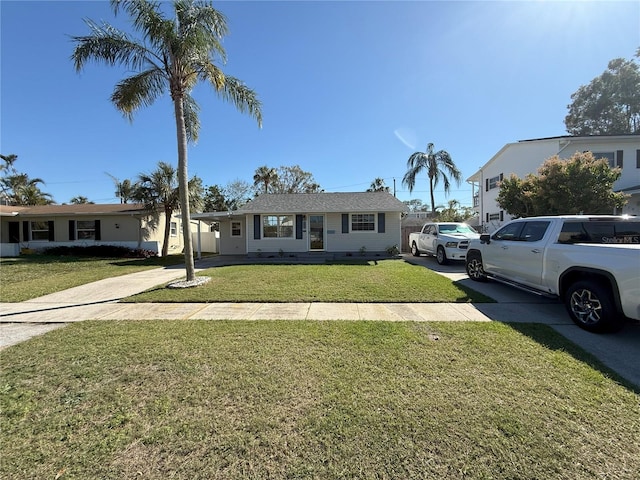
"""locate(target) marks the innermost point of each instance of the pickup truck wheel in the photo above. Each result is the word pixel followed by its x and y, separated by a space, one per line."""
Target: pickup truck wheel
pixel 591 307
pixel 441 255
pixel 474 267
pixel 414 250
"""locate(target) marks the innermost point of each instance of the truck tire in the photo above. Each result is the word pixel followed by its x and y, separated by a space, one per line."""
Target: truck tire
pixel 473 265
pixel 441 256
pixel 590 306
pixel 414 250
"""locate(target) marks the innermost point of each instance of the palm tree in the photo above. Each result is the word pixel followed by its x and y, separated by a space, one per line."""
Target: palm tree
pixel 264 177
pixel 80 200
pixel 159 190
pixel 378 186
pixel 438 165
pixel 22 190
pixel 124 190
pixel 173 56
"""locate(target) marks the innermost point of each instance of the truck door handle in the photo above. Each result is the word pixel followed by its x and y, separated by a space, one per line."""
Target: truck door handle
pixel 535 250
pixel 504 247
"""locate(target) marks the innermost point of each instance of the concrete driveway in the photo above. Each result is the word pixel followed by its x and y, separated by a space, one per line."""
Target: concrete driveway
pixel 619 351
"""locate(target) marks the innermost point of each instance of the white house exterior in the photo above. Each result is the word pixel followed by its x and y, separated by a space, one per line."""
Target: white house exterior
pixel 128 225
pixel 526 156
pixel 303 223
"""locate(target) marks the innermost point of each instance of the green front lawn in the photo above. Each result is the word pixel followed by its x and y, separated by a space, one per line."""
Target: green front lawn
pixel 373 281
pixel 312 400
pixel 31 276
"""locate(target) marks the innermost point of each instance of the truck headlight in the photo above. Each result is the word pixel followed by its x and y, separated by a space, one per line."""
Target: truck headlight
pixel 451 244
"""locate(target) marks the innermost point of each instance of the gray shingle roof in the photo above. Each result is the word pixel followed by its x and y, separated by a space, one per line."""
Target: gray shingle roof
pixel 324 203
pixel 82 209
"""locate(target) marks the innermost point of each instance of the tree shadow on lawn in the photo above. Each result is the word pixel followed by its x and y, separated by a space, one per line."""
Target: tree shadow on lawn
pixel 550 339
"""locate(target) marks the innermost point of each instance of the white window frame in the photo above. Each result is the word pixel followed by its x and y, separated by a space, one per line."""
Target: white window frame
pixel 353 220
pixel 284 226
pixel 238 229
pixel 610 156
pixel 173 229
pixel 493 182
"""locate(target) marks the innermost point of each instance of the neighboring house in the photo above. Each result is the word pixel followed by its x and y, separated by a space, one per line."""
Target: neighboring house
pixel 302 223
pixel 526 156
pixel 128 225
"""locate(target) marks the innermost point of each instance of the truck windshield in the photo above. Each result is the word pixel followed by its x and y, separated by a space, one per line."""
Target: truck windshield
pixel 455 228
pixel 623 231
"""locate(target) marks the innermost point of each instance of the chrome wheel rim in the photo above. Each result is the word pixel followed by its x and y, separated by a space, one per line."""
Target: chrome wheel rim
pixel 586 307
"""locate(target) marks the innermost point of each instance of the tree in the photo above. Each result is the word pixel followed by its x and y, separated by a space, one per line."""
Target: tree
pixel 80 200
pixel 294 180
pixel 415 205
pixel 581 184
pixel 454 212
pixel 378 186
pixel 213 200
pixel 438 165
pixel 609 104
pixel 264 177
pixel 159 190
pixel 124 190
pixel 19 189
pixel 236 194
pixel 174 55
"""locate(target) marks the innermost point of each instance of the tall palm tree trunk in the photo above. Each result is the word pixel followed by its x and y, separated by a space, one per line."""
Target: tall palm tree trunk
pixel 167 230
pixel 183 187
pixel 433 202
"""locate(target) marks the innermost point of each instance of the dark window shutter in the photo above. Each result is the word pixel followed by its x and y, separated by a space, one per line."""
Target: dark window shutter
pixel 72 230
pixel 501 177
pixel 52 236
pixel 25 231
pixel 487 215
pixel 381 222
pixel 637 158
pixel 256 227
pixel 98 231
pixel 486 185
pixel 345 223
pixel 502 215
pixel 299 219
pixel 619 155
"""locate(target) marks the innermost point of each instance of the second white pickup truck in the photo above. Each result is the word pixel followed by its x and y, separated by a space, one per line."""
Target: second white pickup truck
pixel 592 263
pixel 446 240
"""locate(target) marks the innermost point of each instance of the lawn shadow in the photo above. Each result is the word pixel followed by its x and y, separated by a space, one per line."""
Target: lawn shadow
pixel 549 338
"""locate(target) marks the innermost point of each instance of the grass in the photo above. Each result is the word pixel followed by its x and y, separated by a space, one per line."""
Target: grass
pixel 316 400
pixel 31 276
pixel 374 281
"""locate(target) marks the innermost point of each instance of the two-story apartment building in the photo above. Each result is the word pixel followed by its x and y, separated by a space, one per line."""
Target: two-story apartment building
pixel 526 156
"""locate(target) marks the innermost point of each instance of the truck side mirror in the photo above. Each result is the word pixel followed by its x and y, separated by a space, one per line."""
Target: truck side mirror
pixel 485 238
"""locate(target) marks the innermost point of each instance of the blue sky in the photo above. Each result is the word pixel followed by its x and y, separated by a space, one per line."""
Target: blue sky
pixel 350 89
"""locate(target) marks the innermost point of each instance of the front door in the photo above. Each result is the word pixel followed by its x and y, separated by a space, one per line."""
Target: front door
pixel 316 232
pixel 14 232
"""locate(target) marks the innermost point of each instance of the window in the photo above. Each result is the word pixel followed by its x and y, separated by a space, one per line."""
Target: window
pixel 86 230
pixel 494 216
pixel 363 222
pixel 509 232
pixel 601 232
pixel 534 231
pixel 236 229
pixel 610 156
pixel 173 229
pixel 277 226
pixel 40 231
pixel 493 182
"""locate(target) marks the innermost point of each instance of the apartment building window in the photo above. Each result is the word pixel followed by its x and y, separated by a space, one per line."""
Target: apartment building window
pixel 493 182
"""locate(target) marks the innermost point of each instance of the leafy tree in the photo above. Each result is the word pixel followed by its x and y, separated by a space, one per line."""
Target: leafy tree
pixel 213 200
pixel 454 212
pixel 415 205
pixel 378 186
pixel 173 55
pixel 17 188
pixel 159 190
pixel 609 104
pixel 264 178
pixel 80 200
pixel 294 180
pixel 581 184
pixel 438 165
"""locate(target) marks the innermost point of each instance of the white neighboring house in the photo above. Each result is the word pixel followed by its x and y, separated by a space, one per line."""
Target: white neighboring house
pixel 526 156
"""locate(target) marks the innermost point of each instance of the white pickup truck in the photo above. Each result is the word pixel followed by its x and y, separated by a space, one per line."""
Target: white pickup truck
pixel 446 240
pixel 591 262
